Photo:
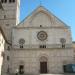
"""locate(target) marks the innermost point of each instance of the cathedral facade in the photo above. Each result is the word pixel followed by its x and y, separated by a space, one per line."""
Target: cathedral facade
pixel 40 44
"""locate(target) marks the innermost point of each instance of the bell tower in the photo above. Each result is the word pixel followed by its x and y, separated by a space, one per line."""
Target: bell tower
pixel 12 10
pixel 10 16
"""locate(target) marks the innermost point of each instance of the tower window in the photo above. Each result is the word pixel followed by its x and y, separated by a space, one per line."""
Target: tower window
pixel 4 16
pixel 11 1
pixel 8 58
pixel 8 48
pixel 3 1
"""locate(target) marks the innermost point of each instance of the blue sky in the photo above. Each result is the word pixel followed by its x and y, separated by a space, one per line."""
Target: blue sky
pixel 63 9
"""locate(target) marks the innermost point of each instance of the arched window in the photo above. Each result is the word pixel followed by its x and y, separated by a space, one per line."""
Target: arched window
pixel 13 0
pixel 4 16
pixel 21 46
pixel 8 48
pixel 8 58
pixel 21 42
pixel 42 46
pixel 63 41
pixel 3 1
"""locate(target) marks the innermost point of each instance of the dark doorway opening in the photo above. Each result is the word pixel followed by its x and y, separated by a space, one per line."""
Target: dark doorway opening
pixel 21 69
pixel 43 67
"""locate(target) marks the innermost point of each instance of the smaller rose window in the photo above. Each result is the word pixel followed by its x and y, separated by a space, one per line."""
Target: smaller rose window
pixel 63 40
pixel 21 41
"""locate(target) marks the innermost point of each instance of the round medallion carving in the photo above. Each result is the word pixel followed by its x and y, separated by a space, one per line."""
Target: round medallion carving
pixel 42 35
pixel 63 40
pixel 21 41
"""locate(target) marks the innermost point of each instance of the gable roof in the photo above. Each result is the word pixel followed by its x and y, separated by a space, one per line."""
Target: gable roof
pixel 44 10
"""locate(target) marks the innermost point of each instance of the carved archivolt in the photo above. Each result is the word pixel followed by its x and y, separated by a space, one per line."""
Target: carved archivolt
pixel 43 59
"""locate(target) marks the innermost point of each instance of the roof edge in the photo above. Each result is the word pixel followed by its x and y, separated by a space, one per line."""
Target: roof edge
pixel 48 12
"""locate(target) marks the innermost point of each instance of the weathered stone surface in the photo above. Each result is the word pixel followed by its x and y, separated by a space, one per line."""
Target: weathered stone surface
pixel 28 53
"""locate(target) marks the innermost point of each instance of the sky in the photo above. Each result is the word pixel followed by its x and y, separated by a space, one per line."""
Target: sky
pixel 63 9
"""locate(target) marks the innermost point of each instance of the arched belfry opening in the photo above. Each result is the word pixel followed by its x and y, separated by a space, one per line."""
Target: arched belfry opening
pixel 43 65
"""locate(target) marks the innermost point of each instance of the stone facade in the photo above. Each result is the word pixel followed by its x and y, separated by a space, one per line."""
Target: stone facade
pixel 74 49
pixel 10 16
pixel 31 60
pixel 31 53
pixel 39 44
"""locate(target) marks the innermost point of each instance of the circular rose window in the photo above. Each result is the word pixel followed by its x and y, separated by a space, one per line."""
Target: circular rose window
pixel 42 35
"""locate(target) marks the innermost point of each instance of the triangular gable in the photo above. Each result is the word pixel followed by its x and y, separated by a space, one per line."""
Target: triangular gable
pixel 53 19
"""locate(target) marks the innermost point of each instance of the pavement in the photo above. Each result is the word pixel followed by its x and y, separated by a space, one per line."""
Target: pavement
pixel 59 74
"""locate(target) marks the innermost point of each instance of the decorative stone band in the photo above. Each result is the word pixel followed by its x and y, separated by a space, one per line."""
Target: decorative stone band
pixel 38 46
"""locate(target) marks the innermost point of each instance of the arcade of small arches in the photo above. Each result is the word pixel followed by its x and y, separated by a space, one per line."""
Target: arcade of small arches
pixel 5 1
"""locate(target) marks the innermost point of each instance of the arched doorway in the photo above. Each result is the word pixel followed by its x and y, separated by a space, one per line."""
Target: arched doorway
pixel 21 67
pixel 43 65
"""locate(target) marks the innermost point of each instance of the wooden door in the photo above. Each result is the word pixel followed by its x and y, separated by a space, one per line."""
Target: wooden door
pixel 43 67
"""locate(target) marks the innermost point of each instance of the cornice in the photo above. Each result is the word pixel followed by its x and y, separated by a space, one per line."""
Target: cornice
pixel 57 27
